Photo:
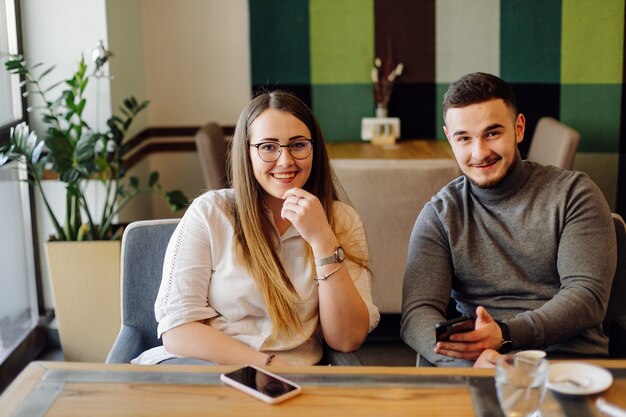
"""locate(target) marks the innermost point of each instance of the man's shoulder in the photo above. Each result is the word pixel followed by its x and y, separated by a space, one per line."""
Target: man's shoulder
pixel 453 193
pixel 550 177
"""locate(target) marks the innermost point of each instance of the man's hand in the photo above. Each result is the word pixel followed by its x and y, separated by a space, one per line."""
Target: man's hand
pixel 470 345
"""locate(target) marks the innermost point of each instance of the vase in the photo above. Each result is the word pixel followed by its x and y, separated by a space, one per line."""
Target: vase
pixel 85 278
pixel 381 111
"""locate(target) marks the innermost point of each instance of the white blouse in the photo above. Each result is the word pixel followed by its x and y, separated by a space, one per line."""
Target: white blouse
pixel 205 279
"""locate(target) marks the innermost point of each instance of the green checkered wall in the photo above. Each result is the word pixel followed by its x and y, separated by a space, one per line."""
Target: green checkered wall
pixel 564 58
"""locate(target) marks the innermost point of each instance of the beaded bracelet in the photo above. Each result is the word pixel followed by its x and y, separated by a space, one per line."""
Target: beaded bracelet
pixel 323 278
pixel 269 359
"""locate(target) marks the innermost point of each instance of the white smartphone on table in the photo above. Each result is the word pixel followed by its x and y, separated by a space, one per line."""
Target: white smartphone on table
pixel 261 384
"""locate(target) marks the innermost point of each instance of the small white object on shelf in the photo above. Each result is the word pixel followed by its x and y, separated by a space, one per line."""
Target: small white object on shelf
pixel 375 128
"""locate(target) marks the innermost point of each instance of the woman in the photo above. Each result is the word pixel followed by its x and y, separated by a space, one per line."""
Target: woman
pixel 252 274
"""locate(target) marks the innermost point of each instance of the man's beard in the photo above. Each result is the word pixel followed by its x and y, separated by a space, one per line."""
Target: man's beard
pixel 497 181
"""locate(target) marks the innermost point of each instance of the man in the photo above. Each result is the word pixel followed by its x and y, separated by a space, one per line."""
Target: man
pixel 528 249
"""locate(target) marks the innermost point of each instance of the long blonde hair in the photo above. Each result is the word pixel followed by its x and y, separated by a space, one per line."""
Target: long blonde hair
pixel 254 233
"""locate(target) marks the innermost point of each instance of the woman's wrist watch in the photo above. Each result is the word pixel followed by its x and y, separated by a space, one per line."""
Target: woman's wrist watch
pixel 338 256
pixel 506 344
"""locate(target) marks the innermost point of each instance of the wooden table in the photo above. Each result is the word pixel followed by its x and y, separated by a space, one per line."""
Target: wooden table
pixel 81 389
pixel 405 149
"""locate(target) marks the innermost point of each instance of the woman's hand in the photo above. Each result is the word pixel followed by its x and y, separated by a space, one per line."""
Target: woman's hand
pixel 344 317
pixel 487 359
pixel 307 215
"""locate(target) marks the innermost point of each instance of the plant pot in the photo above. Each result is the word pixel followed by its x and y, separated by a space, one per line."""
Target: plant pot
pixel 381 111
pixel 85 278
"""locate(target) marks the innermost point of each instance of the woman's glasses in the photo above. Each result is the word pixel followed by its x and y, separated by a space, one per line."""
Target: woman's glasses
pixel 270 151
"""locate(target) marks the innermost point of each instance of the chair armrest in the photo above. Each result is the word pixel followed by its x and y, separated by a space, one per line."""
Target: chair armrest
pixel 128 345
pixel 334 357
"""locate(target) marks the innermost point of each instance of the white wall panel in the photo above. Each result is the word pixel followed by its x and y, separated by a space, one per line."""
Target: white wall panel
pixel 197 60
pixel 57 33
pixel 467 38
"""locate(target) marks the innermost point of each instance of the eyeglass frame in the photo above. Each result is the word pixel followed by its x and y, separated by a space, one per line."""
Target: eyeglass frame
pixel 280 147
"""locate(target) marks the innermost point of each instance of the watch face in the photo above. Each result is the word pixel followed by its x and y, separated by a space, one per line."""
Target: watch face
pixel 340 254
pixel 505 347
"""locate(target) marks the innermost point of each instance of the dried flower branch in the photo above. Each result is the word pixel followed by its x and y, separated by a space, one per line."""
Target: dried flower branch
pixel 384 76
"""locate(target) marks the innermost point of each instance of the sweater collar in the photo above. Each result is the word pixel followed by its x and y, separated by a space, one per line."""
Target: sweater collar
pixel 508 187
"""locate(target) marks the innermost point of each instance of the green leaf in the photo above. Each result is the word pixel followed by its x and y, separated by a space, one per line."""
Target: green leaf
pixel 124 149
pixel 72 176
pixel 134 182
pixel 39 168
pixel 81 106
pixel 176 200
pixel 36 153
pixel 46 72
pixel 48 119
pixel 53 86
pixel 153 179
pixel 124 112
pixel 61 150
pixel 84 151
pixel 13 65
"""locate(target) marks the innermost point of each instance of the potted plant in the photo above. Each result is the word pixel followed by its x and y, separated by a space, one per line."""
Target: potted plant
pixel 86 241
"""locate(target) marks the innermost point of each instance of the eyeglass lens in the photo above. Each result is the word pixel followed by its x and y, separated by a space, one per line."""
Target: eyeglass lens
pixel 270 151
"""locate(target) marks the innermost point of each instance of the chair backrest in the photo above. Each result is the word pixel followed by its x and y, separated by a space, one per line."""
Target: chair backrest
pixel 212 150
pixel 553 143
pixel 615 320
pixel 388 195
pixel 143 249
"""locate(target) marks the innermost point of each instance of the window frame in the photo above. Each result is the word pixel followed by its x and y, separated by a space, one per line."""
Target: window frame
pixel 6 128
pixel 34 342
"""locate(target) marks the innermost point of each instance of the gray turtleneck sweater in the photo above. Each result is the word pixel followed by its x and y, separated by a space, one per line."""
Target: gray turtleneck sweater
pixel 537 251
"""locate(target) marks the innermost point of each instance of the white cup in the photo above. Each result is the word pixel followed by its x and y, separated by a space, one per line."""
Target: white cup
pixel 532 355
pixel 521 382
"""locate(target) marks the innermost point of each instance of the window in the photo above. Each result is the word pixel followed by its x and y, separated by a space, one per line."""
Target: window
pixel 21 336
pixel 18 303
pixel 11 103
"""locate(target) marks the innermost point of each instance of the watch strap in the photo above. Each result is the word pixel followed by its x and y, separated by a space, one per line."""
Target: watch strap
pixel 506 344
pixel 329 259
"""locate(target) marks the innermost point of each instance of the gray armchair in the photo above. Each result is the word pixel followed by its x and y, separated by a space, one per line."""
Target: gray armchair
pixel 614 324
pixel 143 249
pixel 212 150
pixel 553 143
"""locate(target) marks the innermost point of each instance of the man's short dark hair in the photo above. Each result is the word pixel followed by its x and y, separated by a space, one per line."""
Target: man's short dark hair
pixel 476 88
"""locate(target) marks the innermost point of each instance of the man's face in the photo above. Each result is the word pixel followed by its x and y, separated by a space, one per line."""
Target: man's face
pixel 484 138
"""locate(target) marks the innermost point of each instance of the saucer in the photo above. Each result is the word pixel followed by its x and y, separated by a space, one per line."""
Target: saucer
pixel 599 378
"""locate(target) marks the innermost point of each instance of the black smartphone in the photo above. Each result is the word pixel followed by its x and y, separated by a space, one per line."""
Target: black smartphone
pixel 261 384
pixel 443 330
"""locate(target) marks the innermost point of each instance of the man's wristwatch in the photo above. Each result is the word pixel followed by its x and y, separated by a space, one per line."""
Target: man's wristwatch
pixel 338 256
pixel 506 344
